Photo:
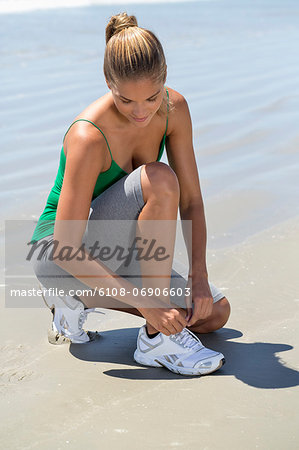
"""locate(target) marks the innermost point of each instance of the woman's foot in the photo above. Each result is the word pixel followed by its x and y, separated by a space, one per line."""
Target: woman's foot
pixel 69 316
pixel 182 353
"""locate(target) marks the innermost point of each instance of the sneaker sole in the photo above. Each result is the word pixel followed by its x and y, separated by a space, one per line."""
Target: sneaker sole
pixel 193 371
pixel 56 338
pixel 140 358
pixel 145 361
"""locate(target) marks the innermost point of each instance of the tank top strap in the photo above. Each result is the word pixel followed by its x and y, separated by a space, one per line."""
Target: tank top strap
pixel 85 120
pixel 167 110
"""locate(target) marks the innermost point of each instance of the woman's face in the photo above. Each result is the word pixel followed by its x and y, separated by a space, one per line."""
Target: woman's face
pixel 138 100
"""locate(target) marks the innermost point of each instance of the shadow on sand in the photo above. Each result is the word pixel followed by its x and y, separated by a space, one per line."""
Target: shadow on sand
pixel 256 364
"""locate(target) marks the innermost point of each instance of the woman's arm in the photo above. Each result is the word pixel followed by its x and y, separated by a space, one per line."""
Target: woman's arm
pixel 181 158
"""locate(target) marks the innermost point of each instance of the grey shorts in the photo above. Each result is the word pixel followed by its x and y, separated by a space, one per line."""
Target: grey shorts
pixel 112 219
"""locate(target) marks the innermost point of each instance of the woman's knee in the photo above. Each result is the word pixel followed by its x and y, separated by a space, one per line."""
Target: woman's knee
pixel 222 313
pixel 158 178
pixel 219 317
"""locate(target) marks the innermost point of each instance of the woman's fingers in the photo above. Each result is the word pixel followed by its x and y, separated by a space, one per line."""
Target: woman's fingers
pixel 167 321
pixel 202 310
pixel 182 317
pixel 174 326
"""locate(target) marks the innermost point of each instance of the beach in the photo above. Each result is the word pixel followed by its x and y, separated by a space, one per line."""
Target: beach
pixel 235 63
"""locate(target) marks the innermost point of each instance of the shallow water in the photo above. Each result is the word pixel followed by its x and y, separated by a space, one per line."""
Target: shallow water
pixel 235 62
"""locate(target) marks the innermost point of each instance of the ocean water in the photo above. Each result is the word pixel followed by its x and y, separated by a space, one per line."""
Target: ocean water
pixel 235 62
pixel 16 6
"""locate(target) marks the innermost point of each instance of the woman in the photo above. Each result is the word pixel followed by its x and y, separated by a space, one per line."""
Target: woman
pixel 109 170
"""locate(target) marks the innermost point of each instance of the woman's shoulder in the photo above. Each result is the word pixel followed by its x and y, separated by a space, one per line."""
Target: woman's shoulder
pixel 88 124
pixel 175 97
pixel 98 111
pixel 177 103
pixel 178 108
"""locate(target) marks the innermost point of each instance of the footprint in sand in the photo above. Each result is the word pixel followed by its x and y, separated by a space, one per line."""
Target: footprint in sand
pixel 15 362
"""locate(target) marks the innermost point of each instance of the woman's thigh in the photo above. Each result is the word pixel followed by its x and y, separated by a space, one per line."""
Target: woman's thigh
pixel 111 227
pixel 121 201
pixel 111 224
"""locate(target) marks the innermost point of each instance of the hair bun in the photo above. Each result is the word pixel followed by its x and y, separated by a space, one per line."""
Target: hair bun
pixel 118 23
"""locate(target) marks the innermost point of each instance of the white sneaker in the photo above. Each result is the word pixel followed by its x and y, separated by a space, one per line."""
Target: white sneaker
pixel 182 353
pixel 69 316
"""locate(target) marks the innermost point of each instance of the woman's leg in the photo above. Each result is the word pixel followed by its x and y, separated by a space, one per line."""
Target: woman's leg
pixel 157 191
pixel 158 220
pixel 218 318
pixel 160 192
pixel 112 222
pixel 118 206
pixel 148 193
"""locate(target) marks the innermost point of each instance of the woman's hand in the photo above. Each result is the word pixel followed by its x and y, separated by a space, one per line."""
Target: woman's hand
pixel 166 320
pixel 201 299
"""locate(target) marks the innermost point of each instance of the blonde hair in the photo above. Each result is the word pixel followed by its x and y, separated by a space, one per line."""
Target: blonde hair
pixel 132 52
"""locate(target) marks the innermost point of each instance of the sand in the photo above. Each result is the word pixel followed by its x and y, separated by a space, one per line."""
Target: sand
pixel 235 65
pixel 96 396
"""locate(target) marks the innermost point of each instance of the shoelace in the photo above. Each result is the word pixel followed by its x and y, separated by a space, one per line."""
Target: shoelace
pixel 83 315
pixel 188 339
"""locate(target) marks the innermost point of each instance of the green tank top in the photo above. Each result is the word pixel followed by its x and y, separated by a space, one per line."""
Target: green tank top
pixel 45 224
